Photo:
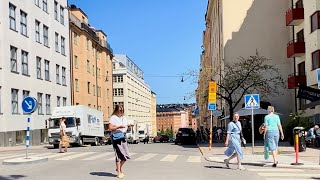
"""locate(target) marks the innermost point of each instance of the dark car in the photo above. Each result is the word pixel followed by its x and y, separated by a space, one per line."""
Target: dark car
pixel 186 136
pixel 161 138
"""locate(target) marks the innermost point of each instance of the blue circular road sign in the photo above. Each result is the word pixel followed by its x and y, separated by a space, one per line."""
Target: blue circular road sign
pixel 29 104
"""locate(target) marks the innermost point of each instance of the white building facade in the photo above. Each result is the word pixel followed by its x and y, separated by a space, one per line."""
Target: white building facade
pixel 131 91
pixel 34 61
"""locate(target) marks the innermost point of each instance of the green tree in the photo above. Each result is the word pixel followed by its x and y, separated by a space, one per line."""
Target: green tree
pixel 297 120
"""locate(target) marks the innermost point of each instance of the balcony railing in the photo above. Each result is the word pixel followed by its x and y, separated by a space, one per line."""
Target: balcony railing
pixel 296 48
pixel 90 31
pixel 109 48
pixel 294 80
pixel 294 16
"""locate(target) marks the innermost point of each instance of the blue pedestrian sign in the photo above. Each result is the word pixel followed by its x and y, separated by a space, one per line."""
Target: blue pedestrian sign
pixel 252 101
pixel 29 104
pixel 212 106
pixel 318 77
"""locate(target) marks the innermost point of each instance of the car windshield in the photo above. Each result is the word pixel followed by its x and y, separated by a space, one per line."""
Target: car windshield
pixel 55 122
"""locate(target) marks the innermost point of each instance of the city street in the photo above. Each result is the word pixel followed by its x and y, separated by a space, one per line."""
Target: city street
pixel 149 161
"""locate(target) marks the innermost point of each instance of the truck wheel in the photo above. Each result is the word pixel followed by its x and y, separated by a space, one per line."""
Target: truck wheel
pixel 80 142
pixel 96 142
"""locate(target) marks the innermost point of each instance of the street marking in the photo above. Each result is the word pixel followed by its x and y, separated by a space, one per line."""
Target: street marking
pixel 170 158
pixel 194 159
pixel 14 156
pixel 287 175
pixel 145 157
pixel 75 156
pixel 286 179
pixel 41 155
pixel 60 154
pixel 113 158
pixel 275 170
pixel 98 156
pixel 1 155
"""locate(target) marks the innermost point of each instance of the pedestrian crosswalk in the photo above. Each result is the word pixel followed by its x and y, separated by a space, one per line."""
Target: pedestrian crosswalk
pixel 108 156
pixel 284 174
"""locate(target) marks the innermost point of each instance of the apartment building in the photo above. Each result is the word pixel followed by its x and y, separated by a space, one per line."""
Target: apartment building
pixel 239 29
pixel 303 50
pixel 34 61
pixel 131 91
pixel 91 65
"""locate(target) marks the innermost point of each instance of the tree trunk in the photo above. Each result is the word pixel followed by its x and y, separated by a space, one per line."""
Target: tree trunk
pixel 230 110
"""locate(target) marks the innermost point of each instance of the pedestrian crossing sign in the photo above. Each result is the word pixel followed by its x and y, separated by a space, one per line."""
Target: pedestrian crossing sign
pixel 252 101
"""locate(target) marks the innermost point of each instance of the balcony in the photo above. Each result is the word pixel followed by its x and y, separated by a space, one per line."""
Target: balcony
pixel 90 31
pixel 295 80
pixel 296 49
pixel 294 16
pixel 109 48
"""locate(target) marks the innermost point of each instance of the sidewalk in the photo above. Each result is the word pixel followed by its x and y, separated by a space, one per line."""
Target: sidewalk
pixel 310 157
pixel 21 148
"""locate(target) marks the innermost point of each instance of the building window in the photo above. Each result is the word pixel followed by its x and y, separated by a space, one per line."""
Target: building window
pixel 12 16
pixel 38 67
pixel 45 36
pixel 56 10
pixel 64 80
pixel 40 103
pixel 46 70
pixel 315 21
pixel 23 23
pixel 87 43
pixel 63 50
pixel 93 70
pixel 37 3
pixel 45 6
pixel 48 104
pixel 61 15
pixel 75 38
pixel 13 54
pixel 37 31
pixel 64 101
pixel 94 90
pixel 14 101
pixel 24 60
pixel 58 101
pixel 99 91
pixel 76 62
pixel 76 85
pixel 25 93
pixel 88 86
pixel 57 74
pixel 108 91
pixel 118 92
pixel 57 42
pixel 315 59
pixel 88 66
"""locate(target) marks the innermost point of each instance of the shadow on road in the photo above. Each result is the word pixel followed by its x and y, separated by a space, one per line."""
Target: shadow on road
pixel 216 167
pixel 11 177
pixel 102 174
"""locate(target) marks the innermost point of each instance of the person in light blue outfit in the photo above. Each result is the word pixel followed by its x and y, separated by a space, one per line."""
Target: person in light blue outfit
pixel 271 133
pixel 233 142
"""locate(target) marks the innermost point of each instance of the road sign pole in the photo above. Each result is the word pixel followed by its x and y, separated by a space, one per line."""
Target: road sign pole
pixel 28 137
pixel 210 141
pixel 252 129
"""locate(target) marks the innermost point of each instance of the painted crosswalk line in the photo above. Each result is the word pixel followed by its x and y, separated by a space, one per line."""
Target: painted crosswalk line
pixel 169 158
pixel 275 170
pixel 75 156
pixel 102 155
pixel 14 156
pixel 289 175
pixel 194 159
pixel 145 157
pixel 113 158
pixel 286 179
pixel 56 155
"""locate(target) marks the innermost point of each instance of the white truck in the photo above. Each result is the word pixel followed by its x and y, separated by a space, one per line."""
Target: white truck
pixel 132 133
pixel 84 125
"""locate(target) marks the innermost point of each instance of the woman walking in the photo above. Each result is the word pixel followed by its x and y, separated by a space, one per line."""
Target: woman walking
pixel 271 133
pixel 118 126
pixel 233 142
pixel 64 141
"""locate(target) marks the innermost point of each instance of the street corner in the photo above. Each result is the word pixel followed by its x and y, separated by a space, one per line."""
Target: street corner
pixel 24 161
pixel 289 166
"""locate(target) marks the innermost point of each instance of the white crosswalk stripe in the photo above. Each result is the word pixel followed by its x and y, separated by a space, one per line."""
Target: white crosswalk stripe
pixel 170 158
pixel 98 156
pixel 14 156
pixel 146 157
pixel 194 159
pixel 75 156
pixel 283 174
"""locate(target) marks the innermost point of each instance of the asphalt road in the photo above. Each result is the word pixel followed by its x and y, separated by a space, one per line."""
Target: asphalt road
pixel 159 161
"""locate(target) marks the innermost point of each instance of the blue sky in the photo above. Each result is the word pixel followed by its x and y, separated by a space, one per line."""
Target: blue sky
pixel 163 37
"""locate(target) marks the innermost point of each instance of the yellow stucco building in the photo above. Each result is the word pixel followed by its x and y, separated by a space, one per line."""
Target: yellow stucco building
pixel 154 113
pixel 91 65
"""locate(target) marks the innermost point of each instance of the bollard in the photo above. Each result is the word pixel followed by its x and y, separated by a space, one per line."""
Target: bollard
pixel 28 138
pixel 297 150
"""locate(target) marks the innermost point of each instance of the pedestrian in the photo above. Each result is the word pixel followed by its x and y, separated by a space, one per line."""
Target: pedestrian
pixel 219 131
pixel 146 139
pixel 118 126
pixel 271 133
pixel 233 142
pixel 313 136
pixel 64 140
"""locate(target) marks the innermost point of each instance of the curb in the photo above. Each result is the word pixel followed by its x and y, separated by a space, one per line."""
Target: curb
pixel 200 149
pixel 22 161
pixel 284 166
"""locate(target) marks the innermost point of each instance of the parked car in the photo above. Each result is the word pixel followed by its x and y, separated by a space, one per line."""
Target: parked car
pixel 186 136
pixel 161 138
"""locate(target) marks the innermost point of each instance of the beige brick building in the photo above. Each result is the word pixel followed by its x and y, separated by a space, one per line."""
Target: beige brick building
pixel 91 65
